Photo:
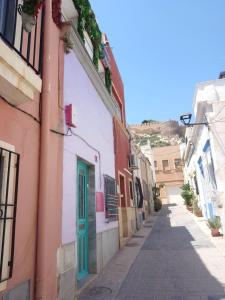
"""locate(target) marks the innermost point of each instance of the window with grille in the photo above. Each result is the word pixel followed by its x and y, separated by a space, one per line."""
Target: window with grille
pixel 9 171
pixel 111 199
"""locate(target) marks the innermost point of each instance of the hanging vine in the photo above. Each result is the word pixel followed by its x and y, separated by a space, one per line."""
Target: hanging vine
pixel 108 79
pixel 87 21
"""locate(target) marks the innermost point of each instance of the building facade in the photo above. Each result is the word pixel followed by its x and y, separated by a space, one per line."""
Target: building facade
pixel 30 153
pixel 169 171
pixel 90 232
pixel 204 154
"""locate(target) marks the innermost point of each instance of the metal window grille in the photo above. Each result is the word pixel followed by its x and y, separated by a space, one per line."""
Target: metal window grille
pixel 9 172
pixel 27 45
pixel 111 199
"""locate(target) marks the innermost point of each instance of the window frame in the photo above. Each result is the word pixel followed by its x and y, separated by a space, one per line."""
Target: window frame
pixel 110 193
pixel 165 168
pixel 178 166
pixel 8 200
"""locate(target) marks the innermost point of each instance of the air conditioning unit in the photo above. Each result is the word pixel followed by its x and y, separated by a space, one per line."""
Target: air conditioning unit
pixel 133 162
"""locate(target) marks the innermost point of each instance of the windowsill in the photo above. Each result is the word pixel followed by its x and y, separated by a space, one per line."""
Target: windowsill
pixel 18 82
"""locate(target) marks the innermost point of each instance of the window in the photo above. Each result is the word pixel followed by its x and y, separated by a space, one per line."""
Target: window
pixel 155 164
pixel 111 199
pixel 9 170
pixel 131 190
pixel 8 19
pixel 165 164
pixel 177 163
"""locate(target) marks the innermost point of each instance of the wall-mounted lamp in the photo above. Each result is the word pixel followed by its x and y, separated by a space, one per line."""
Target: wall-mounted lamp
pixel 186 120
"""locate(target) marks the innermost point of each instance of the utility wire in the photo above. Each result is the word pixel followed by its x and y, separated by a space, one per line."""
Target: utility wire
pixel 21 110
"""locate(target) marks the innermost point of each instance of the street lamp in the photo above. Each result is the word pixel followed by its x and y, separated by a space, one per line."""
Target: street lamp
pixel 186 120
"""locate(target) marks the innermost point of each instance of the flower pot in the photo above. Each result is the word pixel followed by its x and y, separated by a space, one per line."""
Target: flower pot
pixel 189 208
pixel 198 214
pixel 28 21
pixel 215 232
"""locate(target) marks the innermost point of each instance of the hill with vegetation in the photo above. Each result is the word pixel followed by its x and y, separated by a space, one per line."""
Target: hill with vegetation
pixel 159 134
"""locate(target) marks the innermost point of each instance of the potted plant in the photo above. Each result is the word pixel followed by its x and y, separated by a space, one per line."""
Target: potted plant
pixel 214 224
pixel 196 209
pixel 157 204
pixel 187 195
pixel 29 12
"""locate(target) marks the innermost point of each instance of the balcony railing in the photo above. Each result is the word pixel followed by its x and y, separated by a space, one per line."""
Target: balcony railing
pixel 27 45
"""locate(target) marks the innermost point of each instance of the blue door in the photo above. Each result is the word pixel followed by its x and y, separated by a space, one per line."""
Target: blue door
pixel 82 220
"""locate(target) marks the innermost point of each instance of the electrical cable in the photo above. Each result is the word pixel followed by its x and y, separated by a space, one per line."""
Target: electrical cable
pixel 61 133
pixel 93 148
pixel 21 110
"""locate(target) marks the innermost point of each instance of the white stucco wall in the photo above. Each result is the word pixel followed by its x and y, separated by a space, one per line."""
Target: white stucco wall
pixel 95 127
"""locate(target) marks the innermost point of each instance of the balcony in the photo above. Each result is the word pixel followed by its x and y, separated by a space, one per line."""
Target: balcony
pixel 20 55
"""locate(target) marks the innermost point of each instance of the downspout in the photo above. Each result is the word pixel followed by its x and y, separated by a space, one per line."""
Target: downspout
pixel 43 203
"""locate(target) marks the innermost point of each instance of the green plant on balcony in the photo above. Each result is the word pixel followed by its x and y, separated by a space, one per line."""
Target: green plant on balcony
pixel 29 12
pixel 87 21
pixel 108 80
pixel 32 7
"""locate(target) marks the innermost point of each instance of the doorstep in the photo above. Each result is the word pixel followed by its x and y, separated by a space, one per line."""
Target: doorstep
pixel 219 242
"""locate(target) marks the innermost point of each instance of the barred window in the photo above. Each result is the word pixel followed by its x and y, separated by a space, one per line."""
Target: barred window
pixel 9 170
pixel 111 199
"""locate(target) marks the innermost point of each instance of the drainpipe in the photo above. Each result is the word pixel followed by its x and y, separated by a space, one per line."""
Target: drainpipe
pixel 44 209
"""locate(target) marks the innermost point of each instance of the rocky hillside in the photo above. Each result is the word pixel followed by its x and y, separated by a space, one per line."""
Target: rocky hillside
pixel 159 134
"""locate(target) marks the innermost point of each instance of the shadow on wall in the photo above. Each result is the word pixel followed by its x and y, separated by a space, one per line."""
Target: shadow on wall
pixel 176 262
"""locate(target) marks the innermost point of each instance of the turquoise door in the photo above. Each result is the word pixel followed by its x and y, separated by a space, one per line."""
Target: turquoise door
pixel 82 220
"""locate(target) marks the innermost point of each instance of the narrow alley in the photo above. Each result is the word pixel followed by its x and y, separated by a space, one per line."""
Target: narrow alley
pixel 177 261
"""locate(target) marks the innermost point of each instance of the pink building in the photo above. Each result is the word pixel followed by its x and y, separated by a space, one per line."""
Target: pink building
pixel 30 154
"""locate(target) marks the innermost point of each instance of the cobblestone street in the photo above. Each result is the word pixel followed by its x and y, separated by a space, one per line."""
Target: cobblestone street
pixel 177 261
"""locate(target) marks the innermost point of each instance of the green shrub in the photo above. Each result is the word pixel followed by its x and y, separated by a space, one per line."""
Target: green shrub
pixel 186 187
pixel 157 204
pixel 196 208
pixel 214 223
pixel 187 194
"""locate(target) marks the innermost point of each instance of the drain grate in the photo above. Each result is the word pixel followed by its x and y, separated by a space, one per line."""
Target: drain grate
pixel 132 244
pixel 138 236
pixel 100 291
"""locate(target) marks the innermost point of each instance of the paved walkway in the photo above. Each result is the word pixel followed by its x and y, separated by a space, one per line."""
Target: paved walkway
pixel 176 262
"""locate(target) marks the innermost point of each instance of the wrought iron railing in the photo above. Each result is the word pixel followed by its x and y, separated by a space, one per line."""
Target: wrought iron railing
pixel 9 172
pixel 27 45
pixel 111 199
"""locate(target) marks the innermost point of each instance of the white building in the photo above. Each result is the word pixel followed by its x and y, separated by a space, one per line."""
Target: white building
pixel 205 150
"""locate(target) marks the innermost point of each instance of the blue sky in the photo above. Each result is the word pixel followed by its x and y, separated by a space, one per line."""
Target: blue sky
pixel 163 48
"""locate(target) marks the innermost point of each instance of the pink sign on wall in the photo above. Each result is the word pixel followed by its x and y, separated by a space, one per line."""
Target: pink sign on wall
pixel 99 201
